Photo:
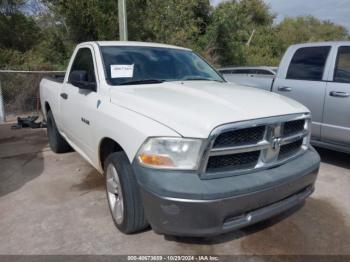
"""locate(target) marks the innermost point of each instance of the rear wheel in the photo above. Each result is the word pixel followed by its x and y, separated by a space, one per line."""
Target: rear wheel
pixel 57 143
pixel 123 194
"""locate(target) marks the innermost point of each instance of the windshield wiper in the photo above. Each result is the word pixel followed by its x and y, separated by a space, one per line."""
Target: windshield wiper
pixel 144 81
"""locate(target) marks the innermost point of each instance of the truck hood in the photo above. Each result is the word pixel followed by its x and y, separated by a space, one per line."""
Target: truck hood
pixel 195 108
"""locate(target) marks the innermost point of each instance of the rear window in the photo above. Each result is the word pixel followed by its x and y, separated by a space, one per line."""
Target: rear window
pixel 342 69
pixel 308 63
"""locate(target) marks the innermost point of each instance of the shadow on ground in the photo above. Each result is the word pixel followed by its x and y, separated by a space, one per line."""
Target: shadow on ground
pixel 21 158
pixel 334 157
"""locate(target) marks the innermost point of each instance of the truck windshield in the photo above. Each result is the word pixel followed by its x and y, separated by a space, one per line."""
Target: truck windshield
pixel 144 65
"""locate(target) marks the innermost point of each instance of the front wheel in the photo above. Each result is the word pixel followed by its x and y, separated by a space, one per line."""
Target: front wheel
pixel 123 194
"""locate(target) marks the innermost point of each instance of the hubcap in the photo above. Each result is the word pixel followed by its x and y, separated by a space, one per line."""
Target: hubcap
pixel 114 193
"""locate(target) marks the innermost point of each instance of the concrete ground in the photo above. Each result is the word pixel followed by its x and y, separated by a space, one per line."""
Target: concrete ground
pixel 56 204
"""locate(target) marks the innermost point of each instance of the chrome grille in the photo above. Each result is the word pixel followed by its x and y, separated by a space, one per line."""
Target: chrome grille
pixel 253 145
pixel 240 137
pixel 233 162
pixel 293 127
pixel 290 149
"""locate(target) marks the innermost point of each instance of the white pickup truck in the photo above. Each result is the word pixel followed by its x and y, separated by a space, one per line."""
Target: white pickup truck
pixel 181 149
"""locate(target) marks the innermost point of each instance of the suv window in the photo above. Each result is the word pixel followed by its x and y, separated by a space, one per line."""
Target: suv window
pixel 83 61
pixel 308 63
pixel 342 68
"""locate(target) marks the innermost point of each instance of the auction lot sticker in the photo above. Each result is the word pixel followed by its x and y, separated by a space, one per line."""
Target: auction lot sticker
pixel 122 71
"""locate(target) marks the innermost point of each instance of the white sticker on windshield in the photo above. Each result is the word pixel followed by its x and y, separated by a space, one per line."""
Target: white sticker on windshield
pixel 122 71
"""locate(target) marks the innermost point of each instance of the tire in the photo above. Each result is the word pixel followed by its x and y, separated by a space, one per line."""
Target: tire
pixel 57 143
pixel 123 194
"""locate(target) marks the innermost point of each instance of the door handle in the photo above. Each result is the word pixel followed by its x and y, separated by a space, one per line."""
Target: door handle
pixel 338 94
pixel 285 89
pixel 64 95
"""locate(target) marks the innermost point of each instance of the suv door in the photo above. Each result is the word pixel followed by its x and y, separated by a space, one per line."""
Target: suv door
pixel 336 127
pixel 79 105
pixel 304 82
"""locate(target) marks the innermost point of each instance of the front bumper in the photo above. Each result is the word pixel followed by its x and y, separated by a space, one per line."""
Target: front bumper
pixel 179 203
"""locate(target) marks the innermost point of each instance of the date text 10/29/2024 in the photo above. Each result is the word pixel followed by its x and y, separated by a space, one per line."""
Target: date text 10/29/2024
pixel 173 258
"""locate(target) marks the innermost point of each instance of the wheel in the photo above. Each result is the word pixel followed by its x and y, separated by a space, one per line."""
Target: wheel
pixel 57 143
pixel 123 194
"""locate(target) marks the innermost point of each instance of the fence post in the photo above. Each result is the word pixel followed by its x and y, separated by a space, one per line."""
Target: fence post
pixel 2 108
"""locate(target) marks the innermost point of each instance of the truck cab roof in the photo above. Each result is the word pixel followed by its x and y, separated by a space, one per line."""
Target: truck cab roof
pixel 133 43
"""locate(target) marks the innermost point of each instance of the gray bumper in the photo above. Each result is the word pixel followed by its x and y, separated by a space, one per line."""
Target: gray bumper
pixel 180 203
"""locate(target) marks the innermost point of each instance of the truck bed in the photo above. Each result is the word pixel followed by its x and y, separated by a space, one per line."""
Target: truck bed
pixel 58 78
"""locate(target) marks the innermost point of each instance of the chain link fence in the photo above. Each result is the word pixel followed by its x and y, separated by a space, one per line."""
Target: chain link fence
pixel 19 93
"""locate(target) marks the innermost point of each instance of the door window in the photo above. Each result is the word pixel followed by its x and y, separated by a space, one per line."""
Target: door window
pixel 84 62
pixel 308 63
pixel 342 67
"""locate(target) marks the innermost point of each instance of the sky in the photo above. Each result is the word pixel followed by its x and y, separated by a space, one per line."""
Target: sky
pixel 337 11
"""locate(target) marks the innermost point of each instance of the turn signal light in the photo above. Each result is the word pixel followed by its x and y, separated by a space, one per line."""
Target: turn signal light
pixel 156 160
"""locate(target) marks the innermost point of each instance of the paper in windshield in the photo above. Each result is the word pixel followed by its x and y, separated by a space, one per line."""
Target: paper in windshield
pixel 122 71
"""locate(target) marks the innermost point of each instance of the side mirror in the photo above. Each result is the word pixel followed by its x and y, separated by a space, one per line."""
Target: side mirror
pixel 79 79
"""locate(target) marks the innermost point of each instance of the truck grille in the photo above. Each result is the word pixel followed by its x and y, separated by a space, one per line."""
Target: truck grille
pixel 233 162
pixel 253 145
pixel 290 149
pixel 240 137
pixel 293 127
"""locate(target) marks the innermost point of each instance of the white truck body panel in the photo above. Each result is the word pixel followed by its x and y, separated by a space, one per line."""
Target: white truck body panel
pixel 195 108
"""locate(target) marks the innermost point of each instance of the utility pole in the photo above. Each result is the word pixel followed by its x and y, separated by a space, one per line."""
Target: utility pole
pixel 2 109
pixel 123 20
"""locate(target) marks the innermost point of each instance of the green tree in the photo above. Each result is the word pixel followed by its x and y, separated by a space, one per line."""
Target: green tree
pixel 232 24
pixel 309 29
pixel 167 21
pixel 270 42
pixel 18 31
pixel 87 20
pixel 265 48
pixel 46 39
pixel 179 22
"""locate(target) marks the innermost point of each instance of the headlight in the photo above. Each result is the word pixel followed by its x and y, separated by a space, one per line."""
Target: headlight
pixel 170 153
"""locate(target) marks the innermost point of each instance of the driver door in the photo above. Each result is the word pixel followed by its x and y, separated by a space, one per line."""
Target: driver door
pixel 79 105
